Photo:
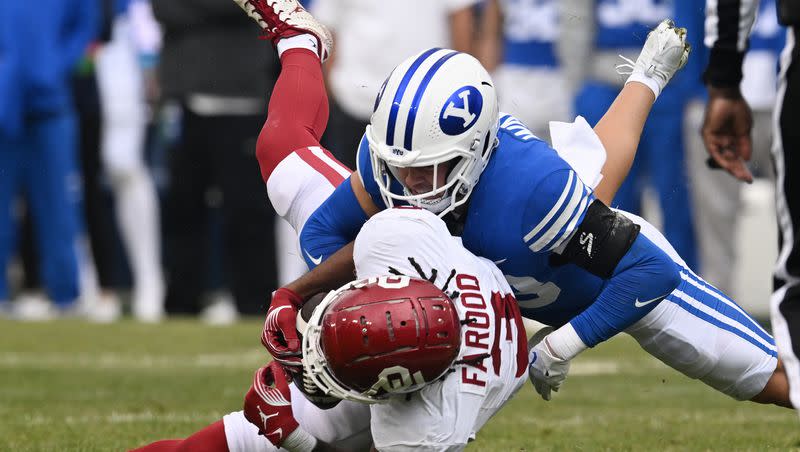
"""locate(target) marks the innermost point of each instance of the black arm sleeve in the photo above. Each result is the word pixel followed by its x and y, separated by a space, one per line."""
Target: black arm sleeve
pixel 600 242
pixel 728 25
pixel 789 12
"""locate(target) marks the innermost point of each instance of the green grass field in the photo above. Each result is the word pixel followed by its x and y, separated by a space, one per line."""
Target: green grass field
pixel 75 386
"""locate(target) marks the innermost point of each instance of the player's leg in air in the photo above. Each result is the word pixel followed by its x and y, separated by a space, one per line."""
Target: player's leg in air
pixel 704 334
pixel 300 175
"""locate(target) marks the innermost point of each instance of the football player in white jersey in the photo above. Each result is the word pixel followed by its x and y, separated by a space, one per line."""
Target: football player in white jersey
pixel 435 349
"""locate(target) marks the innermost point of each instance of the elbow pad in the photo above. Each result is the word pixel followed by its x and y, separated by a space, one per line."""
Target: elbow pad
pixel 600 241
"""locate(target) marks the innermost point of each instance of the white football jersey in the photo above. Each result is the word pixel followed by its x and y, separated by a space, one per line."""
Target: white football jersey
pixel 493 359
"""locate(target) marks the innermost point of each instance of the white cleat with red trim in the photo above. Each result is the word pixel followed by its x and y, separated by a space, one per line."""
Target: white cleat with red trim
pixel 280 19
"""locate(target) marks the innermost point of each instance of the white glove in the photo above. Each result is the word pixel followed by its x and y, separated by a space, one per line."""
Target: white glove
pixel 663 54
pixel 546 370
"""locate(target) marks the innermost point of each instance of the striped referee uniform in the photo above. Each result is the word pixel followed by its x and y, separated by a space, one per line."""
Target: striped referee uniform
pixel 728 24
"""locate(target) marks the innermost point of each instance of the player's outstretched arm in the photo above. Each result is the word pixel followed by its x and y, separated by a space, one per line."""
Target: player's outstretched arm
pixel 620 130
pixel 663 54
pixel 329 275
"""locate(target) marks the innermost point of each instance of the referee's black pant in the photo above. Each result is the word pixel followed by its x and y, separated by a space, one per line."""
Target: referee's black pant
pixel 785 304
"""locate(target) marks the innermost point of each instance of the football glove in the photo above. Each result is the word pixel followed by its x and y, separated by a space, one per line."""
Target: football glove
pixel 664 52
pixel 268 406
pixel 280 328
pixel 546 370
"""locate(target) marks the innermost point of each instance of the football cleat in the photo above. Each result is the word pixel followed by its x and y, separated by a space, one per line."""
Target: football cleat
pixel 280 19
pixel 663 54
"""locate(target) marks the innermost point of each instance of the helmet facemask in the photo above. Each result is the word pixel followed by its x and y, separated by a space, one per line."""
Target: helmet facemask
pixel 439 197
pixel 463 169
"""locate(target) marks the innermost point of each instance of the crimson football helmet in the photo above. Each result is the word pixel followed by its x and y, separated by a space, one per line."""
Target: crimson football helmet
pixel 375 338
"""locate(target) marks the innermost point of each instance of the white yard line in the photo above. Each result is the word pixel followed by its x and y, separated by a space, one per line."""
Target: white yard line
pixel 249 359
pixel 243 360
pixel 116 417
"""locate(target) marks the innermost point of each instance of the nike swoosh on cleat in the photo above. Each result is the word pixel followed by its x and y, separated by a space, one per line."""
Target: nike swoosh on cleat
pixel 640 304
pixel 315 260
pixel 500 261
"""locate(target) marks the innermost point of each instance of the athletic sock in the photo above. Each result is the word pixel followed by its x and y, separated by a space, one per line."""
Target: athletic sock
pixel 298 109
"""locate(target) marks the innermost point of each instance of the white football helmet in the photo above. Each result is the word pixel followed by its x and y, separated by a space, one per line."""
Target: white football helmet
pixel 438 106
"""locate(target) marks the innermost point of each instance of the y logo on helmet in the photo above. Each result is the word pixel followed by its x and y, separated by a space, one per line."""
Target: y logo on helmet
pixel 461 110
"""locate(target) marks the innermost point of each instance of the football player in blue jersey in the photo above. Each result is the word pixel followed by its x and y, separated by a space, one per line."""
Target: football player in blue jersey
pixel 437 141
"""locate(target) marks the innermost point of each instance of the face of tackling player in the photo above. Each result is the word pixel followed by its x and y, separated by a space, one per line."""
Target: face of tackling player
pixel 424 179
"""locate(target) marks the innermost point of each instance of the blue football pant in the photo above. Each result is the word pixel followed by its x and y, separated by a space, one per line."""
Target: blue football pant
pixel 41 166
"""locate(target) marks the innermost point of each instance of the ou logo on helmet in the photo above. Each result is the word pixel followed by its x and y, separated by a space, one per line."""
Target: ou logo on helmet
pixel 461 110
pixel 396 379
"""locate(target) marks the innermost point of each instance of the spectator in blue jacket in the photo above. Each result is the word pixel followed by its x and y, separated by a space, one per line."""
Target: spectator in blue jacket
pixel 38 139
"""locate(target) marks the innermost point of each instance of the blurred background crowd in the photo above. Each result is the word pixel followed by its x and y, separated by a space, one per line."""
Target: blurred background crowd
pixel 128 178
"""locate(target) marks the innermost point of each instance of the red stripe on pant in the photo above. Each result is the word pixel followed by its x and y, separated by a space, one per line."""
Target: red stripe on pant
pixel 322 167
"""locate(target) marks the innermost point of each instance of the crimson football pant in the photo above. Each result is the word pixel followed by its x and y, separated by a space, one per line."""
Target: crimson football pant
pixel 209 439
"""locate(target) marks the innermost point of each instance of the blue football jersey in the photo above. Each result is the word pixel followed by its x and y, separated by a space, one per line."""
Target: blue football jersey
pixel 767 35
pixel 530 31
pixel 625 23
pixel 527 203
